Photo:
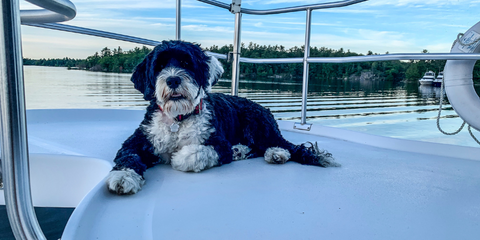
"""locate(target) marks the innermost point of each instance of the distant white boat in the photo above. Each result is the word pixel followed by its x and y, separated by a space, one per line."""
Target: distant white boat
pixel 438 81
pixel 428 78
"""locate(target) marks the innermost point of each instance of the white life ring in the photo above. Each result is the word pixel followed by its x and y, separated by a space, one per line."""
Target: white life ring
pixel 458 76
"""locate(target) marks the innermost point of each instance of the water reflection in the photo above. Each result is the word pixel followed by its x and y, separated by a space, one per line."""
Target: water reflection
pixel 52 87
pixel 332 87
pixel 429 92
pixel 402 109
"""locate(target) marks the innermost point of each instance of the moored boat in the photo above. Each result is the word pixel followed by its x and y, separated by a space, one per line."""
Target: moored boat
pixel 427 78
pixel 438 80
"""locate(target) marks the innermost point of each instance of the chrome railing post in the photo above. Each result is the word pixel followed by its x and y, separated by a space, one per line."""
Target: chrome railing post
pixel 317 6
pixel 53 11
pixel 235 8
pixel 178 23
pixel 303 124
pixel 15 164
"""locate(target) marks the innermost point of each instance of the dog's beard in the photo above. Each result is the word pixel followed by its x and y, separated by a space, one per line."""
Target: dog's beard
pixel 181 100
pixel 178 107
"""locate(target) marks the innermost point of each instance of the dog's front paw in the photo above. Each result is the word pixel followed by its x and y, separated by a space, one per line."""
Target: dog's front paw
pixel 125 181
pixel 240 152
pixel 277 155
pixel 324 158
pixel 194 158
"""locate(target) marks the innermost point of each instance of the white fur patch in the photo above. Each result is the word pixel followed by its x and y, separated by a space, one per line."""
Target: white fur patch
pixel 277 155
pixel 193 130
pixel 194 158
pixel 125 181
pixel 240 152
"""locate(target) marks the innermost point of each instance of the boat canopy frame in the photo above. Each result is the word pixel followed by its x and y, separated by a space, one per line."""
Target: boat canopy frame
pixel 14 152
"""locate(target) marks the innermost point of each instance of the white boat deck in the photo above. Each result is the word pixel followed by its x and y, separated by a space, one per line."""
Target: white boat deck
pixel 378 193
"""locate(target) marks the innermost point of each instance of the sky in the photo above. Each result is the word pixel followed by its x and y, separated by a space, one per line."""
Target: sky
pixel 380 26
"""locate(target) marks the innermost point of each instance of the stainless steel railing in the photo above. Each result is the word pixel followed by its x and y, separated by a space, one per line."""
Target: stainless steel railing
pixel 93 32
pixel 368 58
pixel 303 118
pixel 178 19
pixel 15 167
pixel 15 162
pixel 53 11
pixel 237 45
pixel 287 9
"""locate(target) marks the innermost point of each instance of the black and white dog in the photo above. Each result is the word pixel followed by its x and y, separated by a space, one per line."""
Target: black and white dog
pixel 192 129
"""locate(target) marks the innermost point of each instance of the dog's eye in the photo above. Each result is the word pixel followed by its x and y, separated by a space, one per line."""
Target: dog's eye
pixel 184 64
pixel 159 66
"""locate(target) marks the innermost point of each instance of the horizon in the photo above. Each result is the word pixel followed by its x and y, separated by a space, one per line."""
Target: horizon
pixel 379 26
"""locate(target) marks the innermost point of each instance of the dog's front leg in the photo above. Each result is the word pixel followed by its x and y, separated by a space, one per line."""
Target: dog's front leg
pixel 131 161
pixel 194 158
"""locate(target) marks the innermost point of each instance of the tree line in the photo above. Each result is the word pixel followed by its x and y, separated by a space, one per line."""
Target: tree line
pixel 57 62
pixel 107 60
pixel 120 61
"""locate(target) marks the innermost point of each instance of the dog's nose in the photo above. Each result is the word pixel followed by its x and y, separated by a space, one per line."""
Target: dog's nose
pixel 173 82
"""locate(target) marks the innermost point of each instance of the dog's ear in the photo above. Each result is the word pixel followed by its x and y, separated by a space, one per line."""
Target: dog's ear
pixel 141 77
pixel 215 70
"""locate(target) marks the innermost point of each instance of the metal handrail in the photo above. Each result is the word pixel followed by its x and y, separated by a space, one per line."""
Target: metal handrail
pixel 178 19
pixel 367 58
pixel 93 32
pixel 287 9
pixel 15 162
pixel 399 56
pixel 237 46
pixel 53 11
pixel 306 71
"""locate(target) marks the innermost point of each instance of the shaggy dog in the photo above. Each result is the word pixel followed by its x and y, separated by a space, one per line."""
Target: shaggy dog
pixel 192 129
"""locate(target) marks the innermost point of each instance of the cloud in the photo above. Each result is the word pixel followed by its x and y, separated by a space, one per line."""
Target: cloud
pixel 300 2
pixel 206 28
pixel 351 11
pixel 456 26
pixel 363 40
pixel 439 47
pixel 378 35
pixel 42 43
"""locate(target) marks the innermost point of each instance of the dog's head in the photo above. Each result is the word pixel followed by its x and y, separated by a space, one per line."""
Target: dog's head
pixel 177 75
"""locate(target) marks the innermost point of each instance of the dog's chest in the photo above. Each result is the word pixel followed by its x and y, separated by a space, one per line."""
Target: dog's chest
pixel 195 129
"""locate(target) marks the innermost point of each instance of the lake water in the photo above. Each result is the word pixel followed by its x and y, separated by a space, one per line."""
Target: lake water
pixel 401 110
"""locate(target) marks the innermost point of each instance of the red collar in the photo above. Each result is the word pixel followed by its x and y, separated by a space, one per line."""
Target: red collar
pixel 197 111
